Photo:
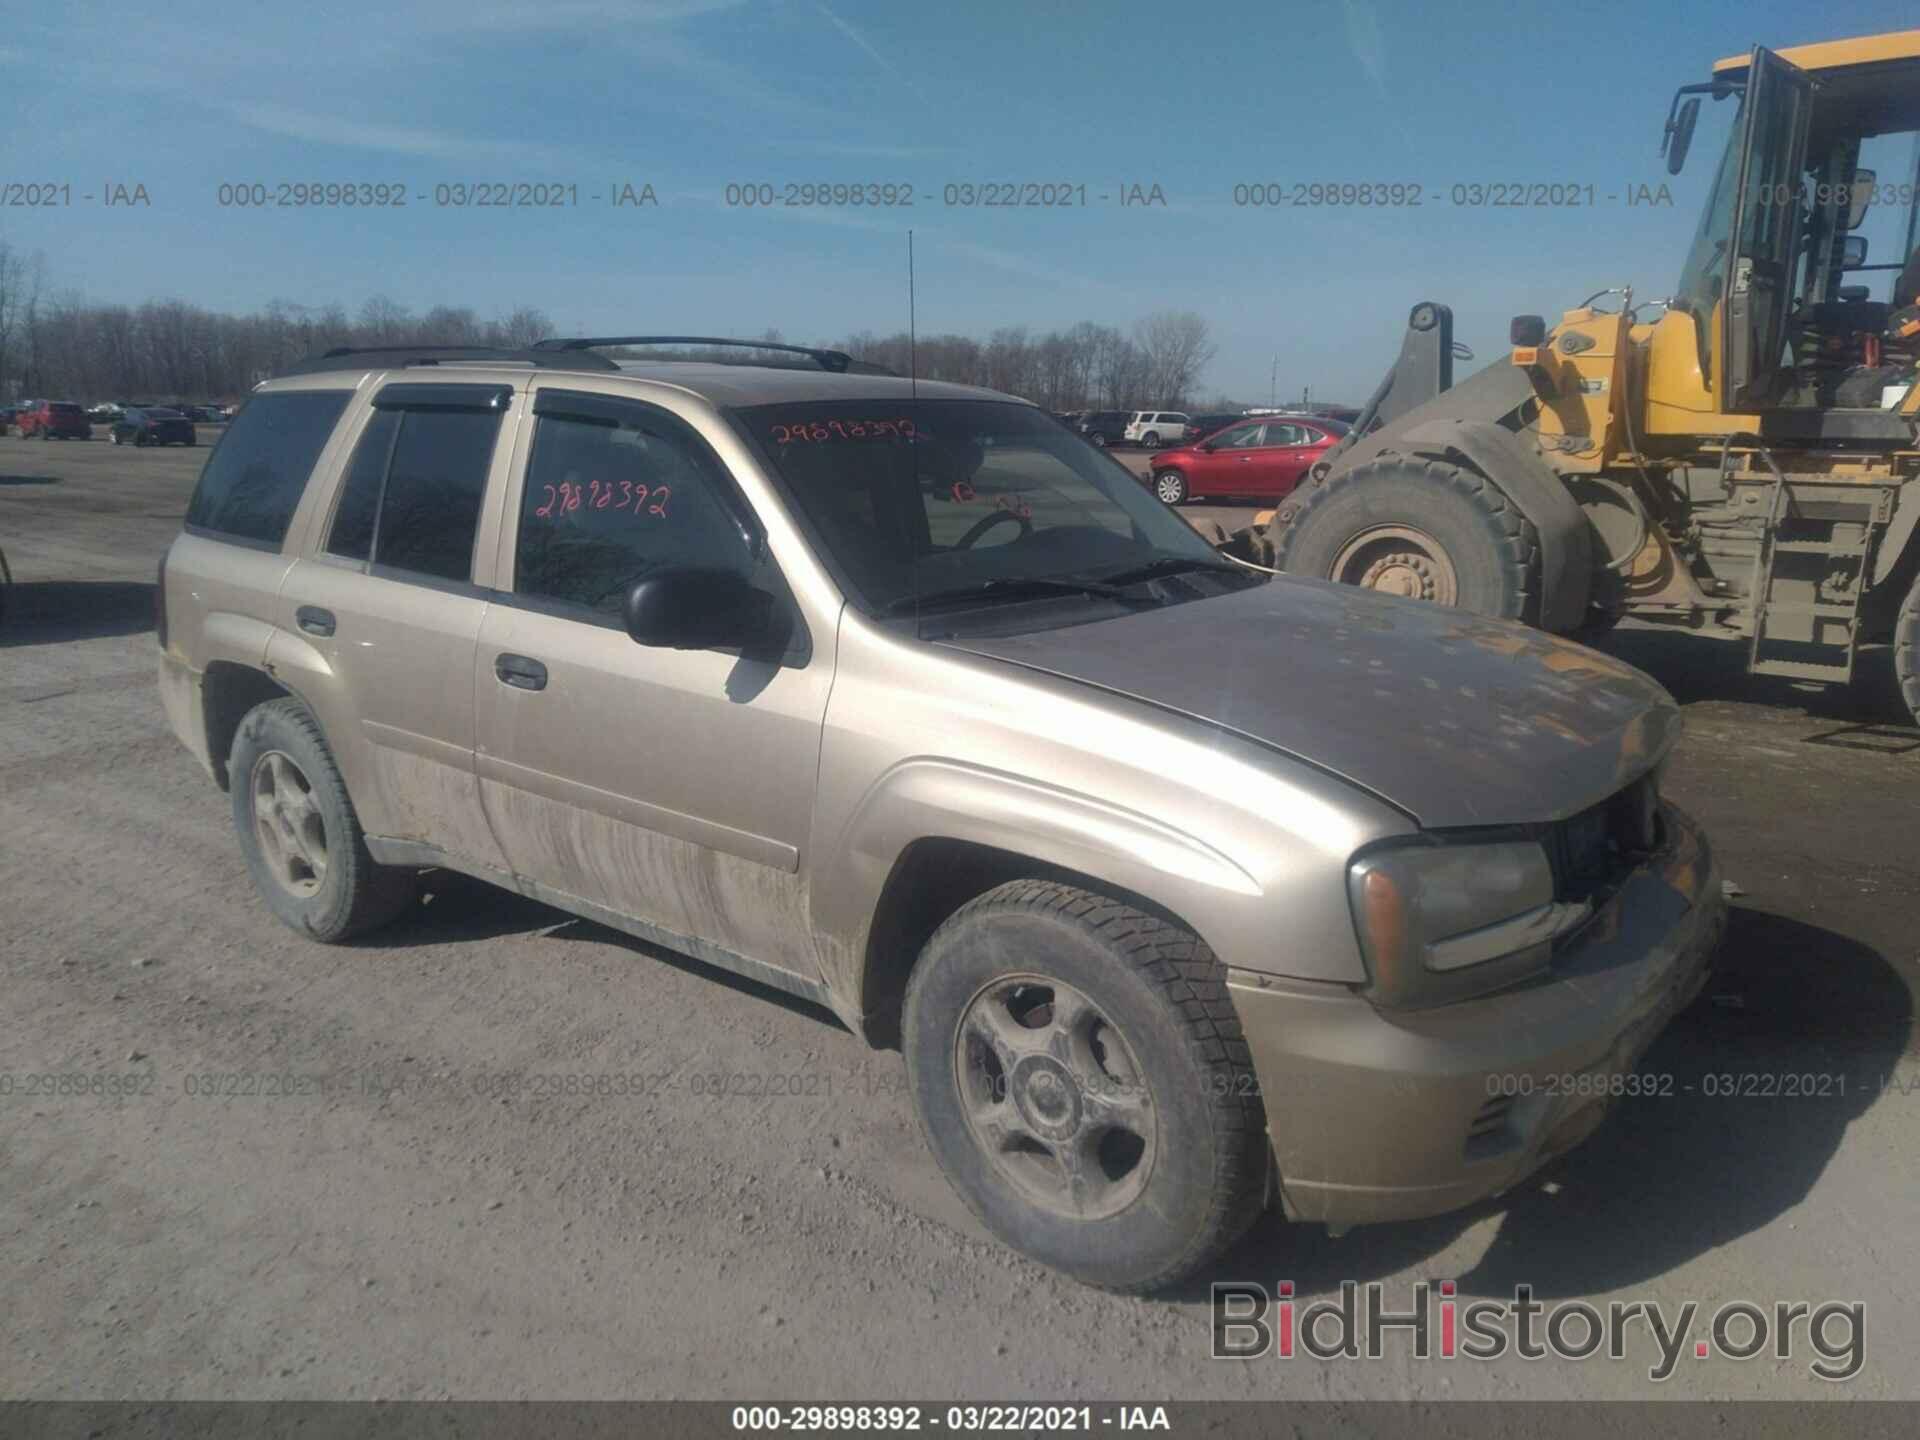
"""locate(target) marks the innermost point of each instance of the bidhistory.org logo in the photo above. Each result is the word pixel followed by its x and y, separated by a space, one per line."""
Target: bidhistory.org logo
pixel 1435 1323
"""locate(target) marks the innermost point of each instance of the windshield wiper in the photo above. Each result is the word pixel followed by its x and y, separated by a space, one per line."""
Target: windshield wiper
pixel 1171 565
pixel 1011 588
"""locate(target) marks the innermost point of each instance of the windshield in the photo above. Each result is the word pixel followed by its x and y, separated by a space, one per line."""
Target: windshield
pixel 1704 273
pixel 936 495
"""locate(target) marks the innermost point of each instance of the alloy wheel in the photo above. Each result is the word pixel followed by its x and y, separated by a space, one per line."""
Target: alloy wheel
pixel 1054 1097
pixel 287 820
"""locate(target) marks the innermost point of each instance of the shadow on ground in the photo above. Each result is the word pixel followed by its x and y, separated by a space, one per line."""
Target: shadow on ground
pixel 1695 668
pixel 1670 1177
pixel 42 612
pixel 28 480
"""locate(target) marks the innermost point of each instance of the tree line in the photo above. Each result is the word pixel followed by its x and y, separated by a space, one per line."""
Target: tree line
pixel 60 345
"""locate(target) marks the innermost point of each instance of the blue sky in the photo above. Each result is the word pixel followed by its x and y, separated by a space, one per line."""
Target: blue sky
pixel 691 95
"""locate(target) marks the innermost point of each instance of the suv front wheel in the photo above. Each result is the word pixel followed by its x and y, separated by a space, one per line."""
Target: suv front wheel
pixel 1080 1073
pixel 299 833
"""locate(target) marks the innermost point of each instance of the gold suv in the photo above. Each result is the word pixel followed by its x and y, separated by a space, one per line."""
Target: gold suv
pixel 1185 891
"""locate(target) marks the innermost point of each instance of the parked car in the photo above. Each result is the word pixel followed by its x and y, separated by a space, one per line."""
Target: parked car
pixel 155 426
pixel 1101 428
pixel 7 413
pixel 1017 773
pixel 105 413
pixel 54 420
pixel 1255 459
pixel 1154 428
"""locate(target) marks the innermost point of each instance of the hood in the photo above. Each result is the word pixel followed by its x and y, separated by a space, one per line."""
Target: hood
pixel 1456 719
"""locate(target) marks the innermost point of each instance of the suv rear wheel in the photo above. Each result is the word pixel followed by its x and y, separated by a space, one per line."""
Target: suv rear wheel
pixel 299 833
pixel 1080 1073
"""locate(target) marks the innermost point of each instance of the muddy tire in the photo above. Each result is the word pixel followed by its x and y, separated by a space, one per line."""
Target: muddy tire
pixel 302 841
pixel 1906 650
pixel 1419 528
pixel 1080 1075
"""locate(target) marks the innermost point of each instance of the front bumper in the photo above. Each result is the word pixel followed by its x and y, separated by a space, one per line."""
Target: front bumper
pixel 1376 1116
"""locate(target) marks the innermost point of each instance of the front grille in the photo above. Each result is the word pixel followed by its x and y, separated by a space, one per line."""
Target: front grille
pixel 1592 852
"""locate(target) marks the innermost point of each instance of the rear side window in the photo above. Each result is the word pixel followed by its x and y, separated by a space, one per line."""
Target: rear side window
pixel 259 470
pixel 412 495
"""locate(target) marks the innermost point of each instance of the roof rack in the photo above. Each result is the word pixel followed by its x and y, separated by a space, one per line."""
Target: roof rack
pixel 395 357
pixel 837 361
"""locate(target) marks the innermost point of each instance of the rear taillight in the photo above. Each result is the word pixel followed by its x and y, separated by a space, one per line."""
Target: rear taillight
pixel 160 600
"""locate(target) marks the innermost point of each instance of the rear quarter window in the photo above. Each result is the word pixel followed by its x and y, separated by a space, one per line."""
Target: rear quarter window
pixel 258 471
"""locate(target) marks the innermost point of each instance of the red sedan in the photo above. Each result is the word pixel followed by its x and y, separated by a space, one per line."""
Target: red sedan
pixel 1261 457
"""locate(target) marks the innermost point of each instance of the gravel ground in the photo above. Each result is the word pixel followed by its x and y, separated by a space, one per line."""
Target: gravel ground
pixel 405 1224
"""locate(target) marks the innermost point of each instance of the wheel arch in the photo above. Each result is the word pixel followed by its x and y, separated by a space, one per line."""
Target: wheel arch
pixel 933 878
pixel 230 688
pixel 930 835
pixel 1898 538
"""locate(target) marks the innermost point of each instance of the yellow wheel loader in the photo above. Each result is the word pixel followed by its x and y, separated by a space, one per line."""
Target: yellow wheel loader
pixel 1738 457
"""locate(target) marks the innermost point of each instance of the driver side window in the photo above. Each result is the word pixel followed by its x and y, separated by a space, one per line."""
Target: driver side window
pixel 615 491
pixel 1241 437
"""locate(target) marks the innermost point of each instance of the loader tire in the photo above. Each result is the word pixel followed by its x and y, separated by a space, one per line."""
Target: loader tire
pixel 1906 651
pixel 1417 528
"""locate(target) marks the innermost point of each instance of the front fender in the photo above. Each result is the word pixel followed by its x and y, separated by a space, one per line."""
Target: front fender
pixel 1566 535
pixel 923 798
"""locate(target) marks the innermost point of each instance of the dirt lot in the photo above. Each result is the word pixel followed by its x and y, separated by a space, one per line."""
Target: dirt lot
pixel 426 1214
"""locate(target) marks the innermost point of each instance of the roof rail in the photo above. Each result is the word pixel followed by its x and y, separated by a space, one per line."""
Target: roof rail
pixel 838 361
pixel 396 357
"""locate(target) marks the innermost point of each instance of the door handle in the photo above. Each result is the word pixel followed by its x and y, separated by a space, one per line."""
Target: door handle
pixel 314 620
pixel 520 672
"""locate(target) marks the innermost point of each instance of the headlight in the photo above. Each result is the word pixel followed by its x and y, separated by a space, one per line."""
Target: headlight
pixel 1438 922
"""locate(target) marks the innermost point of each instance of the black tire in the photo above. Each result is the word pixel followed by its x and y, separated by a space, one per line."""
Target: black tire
pixel 1200 1180
pixel 1490 549
pixel 355 895
pixel 1097 440
pixel 114 436
pixel 1151 440
pixel 1906 650
pixel 1170 487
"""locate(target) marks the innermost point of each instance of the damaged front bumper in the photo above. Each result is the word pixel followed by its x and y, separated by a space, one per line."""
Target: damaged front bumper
pixel 1391 1116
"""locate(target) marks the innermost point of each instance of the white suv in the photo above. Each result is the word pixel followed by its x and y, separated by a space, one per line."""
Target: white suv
pixel 1154 428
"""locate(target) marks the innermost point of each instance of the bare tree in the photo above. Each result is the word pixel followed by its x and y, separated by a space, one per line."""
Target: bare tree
pixel 1176 346
pixel 19 294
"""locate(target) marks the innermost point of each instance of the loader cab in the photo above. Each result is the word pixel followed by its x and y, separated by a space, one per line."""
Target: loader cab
pixel 1805 250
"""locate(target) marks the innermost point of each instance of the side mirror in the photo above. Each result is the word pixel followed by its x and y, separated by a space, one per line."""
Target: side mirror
pixel 1853 252
pixel 1207 446
pixel 1680 134
pixel 1860 199
pixel 698 610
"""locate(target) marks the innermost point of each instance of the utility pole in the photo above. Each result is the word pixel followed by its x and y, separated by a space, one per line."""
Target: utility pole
pixel 1273 386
